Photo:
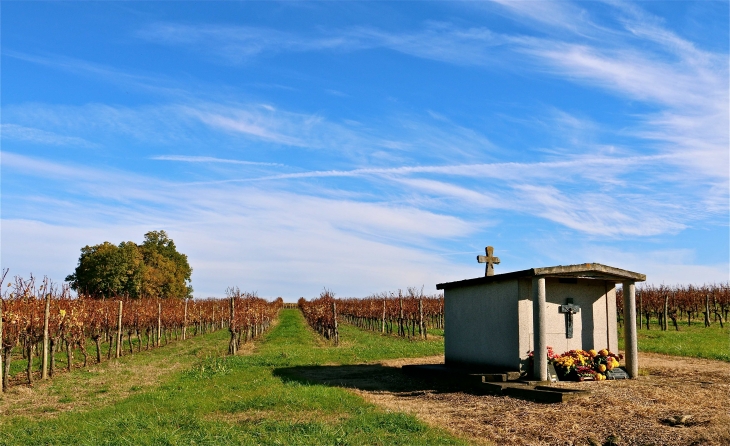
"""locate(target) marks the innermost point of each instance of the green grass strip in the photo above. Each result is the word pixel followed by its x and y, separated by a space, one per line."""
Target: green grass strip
pixel 249 400
pixel 695 341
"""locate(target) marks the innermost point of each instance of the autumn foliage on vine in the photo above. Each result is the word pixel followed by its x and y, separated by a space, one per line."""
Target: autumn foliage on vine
pixel 673 304
pixel 407 314
pixel 74 321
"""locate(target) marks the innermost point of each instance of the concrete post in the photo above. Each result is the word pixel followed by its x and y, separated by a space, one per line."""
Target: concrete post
pixel 538 321
pixel 631 347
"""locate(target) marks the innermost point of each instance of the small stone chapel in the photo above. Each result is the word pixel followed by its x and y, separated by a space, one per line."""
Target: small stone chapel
pixel 496 320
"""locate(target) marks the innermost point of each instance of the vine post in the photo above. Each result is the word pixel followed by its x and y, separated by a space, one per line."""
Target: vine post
pixel 421 325
pixel 120 339
pixel 159 322
pixel 382 323
pixel 46 318
pixel 334 317
pixel 185 320
pixel 2 369
pixel 231 326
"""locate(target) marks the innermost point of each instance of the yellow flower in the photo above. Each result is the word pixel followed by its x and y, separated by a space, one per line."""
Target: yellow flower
pixel 603 352
pixel 601 368
pixel 592 353
pixel 609 365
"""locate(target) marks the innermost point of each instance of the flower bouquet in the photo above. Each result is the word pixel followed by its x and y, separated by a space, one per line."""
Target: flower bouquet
pixel 581 365
pixel 585 365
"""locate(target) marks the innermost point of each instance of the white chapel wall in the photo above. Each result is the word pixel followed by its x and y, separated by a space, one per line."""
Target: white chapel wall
pixel 481 324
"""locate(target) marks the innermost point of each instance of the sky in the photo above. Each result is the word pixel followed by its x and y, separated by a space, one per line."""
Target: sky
pixel 367 146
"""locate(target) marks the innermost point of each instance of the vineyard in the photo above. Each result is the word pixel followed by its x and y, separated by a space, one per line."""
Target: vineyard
pixel 408 314
pixel 40 319
pixel 708 303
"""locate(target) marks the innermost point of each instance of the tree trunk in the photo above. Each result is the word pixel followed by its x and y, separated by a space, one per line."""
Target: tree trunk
pixel 707 310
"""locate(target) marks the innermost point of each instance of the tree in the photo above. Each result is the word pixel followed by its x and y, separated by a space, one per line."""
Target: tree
pixel 107 269
pixel 168 273
pixel 155 268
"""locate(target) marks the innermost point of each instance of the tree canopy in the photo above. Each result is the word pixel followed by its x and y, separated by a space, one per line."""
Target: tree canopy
pixel 154 268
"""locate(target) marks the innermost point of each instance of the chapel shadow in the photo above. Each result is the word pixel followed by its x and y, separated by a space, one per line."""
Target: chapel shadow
pixel 374 377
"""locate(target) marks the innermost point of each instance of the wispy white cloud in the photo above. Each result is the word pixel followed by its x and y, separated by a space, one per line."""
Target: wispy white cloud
pixel 38 136
pixel 209 159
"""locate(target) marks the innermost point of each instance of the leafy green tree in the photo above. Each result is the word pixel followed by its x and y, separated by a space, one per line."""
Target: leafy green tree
pixel 154 268
pixel 168 273
pixel 108 270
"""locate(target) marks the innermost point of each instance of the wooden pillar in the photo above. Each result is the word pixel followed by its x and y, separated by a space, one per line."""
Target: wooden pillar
pixel 631 348
pixel 539 330
pixel 46 317
pixel 119 332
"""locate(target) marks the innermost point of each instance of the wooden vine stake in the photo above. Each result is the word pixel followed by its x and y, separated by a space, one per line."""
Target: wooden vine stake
pixel 231 327
pixel 46 318
pixel 421 325
pixel 159 322
pixel 120 339
pixel 334 317
pixel 185 320
pixel 2 353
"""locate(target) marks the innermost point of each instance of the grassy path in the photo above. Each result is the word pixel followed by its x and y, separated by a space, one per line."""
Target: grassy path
pixel 243 400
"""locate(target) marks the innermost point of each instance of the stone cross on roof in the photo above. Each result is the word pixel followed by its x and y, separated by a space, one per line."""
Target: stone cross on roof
pixel 490 260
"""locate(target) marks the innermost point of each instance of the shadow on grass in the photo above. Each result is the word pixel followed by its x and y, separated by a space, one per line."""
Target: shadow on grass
pixel 373 378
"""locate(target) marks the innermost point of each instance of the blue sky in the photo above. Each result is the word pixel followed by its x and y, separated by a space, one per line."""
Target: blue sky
pixel 368 146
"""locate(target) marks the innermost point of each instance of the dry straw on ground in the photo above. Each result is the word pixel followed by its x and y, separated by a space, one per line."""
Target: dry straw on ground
pixel 636 412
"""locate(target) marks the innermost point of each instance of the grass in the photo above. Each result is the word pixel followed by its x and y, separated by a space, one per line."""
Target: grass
pixel 695 341
pixel 241 400
pixel 19 364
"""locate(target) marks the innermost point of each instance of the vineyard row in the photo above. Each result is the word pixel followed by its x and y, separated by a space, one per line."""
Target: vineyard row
pixel 408 314
pixel 39 319
pixel 710 303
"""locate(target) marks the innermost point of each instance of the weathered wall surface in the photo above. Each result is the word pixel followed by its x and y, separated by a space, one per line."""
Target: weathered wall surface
pixel 593 327
pixel 482 324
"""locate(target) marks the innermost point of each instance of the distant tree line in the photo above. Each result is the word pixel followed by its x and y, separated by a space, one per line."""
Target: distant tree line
pixel 154 269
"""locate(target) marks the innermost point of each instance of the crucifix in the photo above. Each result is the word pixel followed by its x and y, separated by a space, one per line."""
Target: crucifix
pixel 569 309
pixel 490 260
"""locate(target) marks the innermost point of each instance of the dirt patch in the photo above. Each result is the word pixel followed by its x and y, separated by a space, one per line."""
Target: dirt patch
pixel 677 401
